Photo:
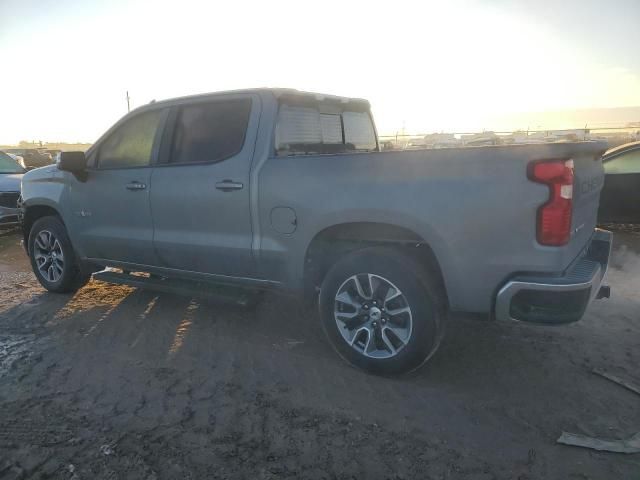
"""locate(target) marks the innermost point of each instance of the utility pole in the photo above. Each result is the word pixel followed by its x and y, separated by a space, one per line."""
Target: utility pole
pixel 128 107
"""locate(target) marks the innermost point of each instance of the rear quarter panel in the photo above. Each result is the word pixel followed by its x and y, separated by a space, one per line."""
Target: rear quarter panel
pixel 475 207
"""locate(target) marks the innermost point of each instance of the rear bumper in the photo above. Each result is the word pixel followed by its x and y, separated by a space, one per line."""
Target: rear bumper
pixel 557 299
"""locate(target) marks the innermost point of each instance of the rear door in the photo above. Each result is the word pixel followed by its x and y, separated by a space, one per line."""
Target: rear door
pixel 111 211
pixel 200 191
pixel 620 198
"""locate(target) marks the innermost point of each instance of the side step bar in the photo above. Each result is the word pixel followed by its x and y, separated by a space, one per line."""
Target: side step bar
pixel 219 293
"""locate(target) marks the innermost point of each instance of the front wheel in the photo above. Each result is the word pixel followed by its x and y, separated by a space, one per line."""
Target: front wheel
pixel 381 311
pixel 52 257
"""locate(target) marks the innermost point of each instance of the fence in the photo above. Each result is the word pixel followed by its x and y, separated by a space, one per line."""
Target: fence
pixel 614 135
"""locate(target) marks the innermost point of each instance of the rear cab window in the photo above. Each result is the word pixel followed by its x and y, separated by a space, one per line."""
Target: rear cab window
pixel 306 126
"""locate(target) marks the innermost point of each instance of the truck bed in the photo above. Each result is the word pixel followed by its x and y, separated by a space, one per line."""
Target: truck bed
pixel 474 206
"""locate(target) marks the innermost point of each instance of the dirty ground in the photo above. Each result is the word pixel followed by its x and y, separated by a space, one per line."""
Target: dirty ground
pixel 115 382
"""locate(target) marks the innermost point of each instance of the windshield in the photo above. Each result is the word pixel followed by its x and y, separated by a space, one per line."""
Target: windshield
pixel 9 165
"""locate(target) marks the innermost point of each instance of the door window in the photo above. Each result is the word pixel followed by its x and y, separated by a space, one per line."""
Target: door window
pixel 628 162
pixel 210 132
pixel 131 144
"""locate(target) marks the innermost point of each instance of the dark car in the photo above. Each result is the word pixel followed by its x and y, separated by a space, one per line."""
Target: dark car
pixel 33 158
pixel 10 177
pixel 620 197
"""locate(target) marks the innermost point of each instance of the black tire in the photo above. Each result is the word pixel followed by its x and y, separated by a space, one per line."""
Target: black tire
pixel 72 277
pixel 423 293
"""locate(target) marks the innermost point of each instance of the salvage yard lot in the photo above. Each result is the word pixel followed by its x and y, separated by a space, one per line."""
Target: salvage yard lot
pixel 116 382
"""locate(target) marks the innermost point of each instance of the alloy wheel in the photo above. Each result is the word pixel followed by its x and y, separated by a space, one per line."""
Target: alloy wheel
pixel 48 256
pixel 373 315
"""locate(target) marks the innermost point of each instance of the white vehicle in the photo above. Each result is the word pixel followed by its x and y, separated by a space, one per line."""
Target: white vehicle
pixel 416 144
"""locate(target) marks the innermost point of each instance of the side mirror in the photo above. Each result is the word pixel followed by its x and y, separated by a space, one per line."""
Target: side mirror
pixel 74 162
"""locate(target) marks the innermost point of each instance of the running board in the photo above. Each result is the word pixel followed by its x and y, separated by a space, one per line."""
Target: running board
pixel 189 288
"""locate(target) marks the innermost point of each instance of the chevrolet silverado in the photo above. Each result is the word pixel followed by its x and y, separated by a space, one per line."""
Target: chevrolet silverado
pixel 287 190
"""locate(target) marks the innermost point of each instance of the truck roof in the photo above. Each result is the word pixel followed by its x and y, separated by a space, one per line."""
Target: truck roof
pixel 277 92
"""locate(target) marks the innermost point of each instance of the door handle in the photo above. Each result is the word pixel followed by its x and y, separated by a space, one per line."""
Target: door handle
pixel 229 185
pixel 136 186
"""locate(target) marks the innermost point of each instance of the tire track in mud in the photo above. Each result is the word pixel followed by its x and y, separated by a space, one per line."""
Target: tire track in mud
pixel 246 431
pixel 241 397
pixel 252 434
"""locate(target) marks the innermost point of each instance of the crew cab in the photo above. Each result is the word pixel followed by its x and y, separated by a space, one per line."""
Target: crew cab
pixel 287 190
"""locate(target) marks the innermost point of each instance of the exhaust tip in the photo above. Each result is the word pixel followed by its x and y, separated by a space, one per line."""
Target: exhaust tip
pixel 604 292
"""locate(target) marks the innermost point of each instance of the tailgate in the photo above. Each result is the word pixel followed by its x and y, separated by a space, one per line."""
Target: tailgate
pixel 588 182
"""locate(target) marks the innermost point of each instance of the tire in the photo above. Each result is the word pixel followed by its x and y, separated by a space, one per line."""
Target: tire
pixel 61 271
pixel 403 341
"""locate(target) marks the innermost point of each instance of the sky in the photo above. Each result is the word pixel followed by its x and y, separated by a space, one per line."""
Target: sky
pixel 425 66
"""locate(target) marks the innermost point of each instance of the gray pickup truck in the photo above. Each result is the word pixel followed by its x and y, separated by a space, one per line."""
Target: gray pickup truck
pixel 281 189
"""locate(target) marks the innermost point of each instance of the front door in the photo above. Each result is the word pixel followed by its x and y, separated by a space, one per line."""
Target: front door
pixel 111 211
pixel 200 190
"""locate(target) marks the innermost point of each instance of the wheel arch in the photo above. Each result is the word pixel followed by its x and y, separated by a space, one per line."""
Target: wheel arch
pixel 31 214
pixel 331 243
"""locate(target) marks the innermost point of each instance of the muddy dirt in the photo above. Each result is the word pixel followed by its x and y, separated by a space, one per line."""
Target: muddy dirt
pixel 120 383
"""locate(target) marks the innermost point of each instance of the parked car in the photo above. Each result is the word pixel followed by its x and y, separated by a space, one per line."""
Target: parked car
pixel 416 144
pixel 286 190
pixel 10 177
pixel 620 198
pixel 387 145
pixel 33 158
pixel 17 158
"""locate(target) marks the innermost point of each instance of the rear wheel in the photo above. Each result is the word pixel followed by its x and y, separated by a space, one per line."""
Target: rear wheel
pixel 381 311
pixel 52 257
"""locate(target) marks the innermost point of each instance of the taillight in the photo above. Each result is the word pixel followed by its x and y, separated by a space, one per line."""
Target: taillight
pixel 554 217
